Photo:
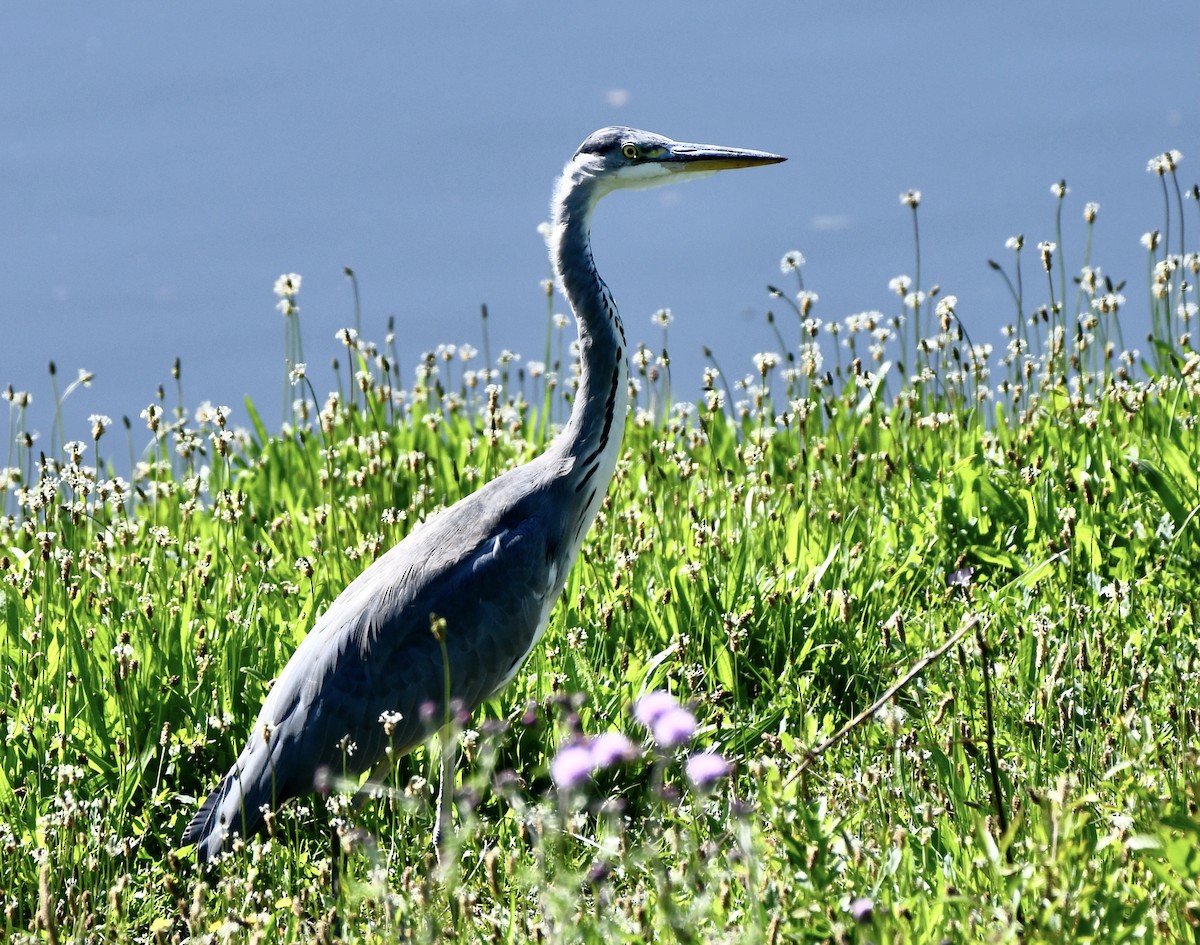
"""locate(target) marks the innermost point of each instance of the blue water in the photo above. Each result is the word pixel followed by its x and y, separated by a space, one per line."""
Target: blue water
pixel 161 164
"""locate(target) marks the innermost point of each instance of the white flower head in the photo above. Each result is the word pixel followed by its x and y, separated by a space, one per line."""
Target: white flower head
pixel 764 361
pixel 1164 163
pixel 287 286
pixel 810 359
pixel 99 423
pixel 791 261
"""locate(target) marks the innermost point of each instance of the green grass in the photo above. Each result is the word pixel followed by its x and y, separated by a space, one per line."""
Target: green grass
pixel 777 557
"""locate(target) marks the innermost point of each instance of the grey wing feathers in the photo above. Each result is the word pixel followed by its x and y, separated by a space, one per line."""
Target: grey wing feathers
pixel 493 579
pixel 204 825
pixel 234 807
pixel 494 603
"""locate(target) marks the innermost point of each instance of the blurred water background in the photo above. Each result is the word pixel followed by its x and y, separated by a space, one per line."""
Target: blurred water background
pixel 162 164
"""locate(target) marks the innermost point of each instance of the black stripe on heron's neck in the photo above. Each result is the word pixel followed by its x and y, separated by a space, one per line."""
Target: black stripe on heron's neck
pixel 609 409
pixel 601 334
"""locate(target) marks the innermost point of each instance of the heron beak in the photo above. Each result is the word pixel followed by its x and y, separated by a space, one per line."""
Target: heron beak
pixel 690 158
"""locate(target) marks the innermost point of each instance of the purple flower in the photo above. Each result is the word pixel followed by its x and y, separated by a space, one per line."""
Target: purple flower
pixel 960 578
pixel 862 910
pixel 612 748
pixel 531 714
pixel 576 762
pixel 706 768
pixel 673 728
pixel 571 766
pixel 653 705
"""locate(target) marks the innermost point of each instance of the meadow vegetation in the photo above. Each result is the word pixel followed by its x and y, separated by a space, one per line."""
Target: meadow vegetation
pixel 776 557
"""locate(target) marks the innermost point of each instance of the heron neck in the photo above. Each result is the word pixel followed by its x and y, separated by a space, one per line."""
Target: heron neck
pixel 593 433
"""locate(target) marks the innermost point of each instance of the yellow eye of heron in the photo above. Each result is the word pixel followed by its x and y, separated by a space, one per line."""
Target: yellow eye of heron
pixel 630 151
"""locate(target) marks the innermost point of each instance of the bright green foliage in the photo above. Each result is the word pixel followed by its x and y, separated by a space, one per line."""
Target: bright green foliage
pixel 776 557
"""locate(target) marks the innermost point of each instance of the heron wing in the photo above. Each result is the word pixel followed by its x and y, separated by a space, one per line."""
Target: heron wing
pixel 374 651
pixel 491 605
pixel 490 567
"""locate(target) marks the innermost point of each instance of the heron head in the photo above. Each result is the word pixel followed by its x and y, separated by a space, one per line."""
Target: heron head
pixel 620 157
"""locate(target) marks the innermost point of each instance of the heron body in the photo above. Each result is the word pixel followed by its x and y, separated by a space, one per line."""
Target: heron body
pixel 371 675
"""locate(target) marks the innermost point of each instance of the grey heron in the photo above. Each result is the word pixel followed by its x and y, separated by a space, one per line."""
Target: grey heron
pixel 486 572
